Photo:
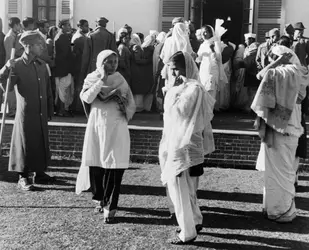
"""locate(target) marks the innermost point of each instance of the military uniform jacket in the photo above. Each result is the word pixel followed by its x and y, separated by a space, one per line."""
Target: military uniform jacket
pixel 29 145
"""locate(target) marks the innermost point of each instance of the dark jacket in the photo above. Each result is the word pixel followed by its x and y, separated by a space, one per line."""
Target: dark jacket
pixel 29 145
pixel 100 39
pixel 63 55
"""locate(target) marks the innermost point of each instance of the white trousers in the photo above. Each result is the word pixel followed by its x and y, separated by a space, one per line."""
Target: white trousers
pixel 182 191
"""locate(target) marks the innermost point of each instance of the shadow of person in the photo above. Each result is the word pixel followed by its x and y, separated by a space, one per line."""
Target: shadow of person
pixel 267 243
pixel 218 217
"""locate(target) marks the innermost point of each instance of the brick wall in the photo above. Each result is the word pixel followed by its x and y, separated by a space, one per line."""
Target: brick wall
pixel 233 148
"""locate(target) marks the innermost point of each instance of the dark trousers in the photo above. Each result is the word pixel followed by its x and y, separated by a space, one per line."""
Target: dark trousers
pixel 105 186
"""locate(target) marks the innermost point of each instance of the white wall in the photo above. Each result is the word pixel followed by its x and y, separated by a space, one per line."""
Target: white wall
pixel 141 15
pixel 297 11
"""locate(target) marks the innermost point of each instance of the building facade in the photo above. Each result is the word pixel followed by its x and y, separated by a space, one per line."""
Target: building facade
pixel 243 16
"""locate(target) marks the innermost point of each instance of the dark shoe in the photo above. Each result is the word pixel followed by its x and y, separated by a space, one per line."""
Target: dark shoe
pixel 198 228
pixel 177 241
pixel 24 184
pixel 109 220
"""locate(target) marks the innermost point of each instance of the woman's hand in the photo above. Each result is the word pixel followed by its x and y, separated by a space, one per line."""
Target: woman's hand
pixel 104 75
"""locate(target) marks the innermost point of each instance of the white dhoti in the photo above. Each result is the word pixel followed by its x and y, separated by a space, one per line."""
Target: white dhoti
pixel 182 191
pixel 279 164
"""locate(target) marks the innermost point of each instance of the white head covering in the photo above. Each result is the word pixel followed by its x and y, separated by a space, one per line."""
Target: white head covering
pixel 161 37
pixel 135 40
pixel 122 30
pixel 179 41
pixel 153 32
pixel 198 34
pixel 149 41
pixel 280 50
pixel 192 71
pixel 250 35
pixel 101 58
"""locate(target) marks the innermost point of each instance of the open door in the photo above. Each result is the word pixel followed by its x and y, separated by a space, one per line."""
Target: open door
pixel 268 15
pixel 170 9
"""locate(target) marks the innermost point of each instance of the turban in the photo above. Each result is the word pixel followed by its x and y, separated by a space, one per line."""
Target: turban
pixel 250 35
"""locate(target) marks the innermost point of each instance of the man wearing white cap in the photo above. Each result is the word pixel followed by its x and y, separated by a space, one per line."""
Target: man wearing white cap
pixel 251 82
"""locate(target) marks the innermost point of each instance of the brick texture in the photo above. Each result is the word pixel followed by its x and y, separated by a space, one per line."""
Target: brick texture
pixel 232 150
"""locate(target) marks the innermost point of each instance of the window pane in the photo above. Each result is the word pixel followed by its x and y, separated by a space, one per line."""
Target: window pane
pixel 42 3
pixel 52 3
pixel 52 13
pixel 42 13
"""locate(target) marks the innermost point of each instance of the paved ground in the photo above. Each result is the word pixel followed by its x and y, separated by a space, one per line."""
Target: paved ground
pixel 54 217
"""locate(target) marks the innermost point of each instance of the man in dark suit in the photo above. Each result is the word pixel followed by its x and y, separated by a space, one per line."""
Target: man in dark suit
pixel 98 40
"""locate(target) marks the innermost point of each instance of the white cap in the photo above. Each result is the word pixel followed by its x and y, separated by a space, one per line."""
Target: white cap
pixel 250 35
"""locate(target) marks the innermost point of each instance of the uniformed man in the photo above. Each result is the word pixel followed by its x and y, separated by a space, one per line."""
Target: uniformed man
pixel 29 150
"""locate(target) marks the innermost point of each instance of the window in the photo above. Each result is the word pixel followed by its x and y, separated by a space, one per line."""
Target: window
pixel 45 9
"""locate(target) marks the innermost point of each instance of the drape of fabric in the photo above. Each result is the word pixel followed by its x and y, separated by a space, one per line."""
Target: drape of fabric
pixel 182 191
pixel 179 41
pixel 107 139
pixel 279 178
pixel 187 115
pixel 276 96
pixel 65 90
pixel 158 81
pixel 150 40
pixel 161 37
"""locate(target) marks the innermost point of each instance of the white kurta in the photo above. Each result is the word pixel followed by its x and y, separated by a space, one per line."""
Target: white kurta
pixel 107 138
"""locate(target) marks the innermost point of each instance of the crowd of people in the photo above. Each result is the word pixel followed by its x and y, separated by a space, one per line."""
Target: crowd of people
pixel 187 75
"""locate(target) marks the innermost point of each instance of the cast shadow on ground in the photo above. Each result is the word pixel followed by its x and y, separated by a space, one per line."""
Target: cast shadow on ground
pixel 223 218
pixel 303 178
pixel 218 217
pixel 268 243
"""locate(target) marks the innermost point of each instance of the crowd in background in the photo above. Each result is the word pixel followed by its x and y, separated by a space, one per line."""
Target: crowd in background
pixel 226 70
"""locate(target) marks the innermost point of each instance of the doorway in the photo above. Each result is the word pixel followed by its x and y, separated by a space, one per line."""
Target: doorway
pixel 235 13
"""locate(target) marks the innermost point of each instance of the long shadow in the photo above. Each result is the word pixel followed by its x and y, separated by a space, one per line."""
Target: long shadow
pixel 272 243
pixel 217 217
pixel 64 163
pixel 145 211
pixel 303 178
pixel 44 207
pixel 302 189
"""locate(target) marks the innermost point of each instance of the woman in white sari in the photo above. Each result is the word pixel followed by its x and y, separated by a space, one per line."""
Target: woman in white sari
pixel 277 104
pixel 187 137
pixel 212 73
pixel 109 105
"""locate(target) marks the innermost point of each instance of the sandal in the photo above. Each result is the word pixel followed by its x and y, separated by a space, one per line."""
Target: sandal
pixel 177 241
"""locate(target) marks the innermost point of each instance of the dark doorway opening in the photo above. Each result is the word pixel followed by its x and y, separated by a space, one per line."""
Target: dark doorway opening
pixel 235 13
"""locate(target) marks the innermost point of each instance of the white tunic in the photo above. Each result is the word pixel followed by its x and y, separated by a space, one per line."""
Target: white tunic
pixel 107 138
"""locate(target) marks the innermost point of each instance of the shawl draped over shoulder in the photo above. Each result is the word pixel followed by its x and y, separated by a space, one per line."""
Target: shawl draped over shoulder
pixel 115 88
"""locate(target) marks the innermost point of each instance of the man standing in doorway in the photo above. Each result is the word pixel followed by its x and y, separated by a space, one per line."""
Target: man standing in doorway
pixel 301 44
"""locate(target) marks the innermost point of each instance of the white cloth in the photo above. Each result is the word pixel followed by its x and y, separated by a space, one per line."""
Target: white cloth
pixel 65 90
pixel 182 192
pixel 279 191
pixel 107 138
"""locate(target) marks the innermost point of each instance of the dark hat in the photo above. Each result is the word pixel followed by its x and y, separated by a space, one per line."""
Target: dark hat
pixel 31 37
pixel 299 26
pixel 178 20
pixel 102 20
pixel 273 32
pixel 289 28
pixel 267 35
pixel 129 28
